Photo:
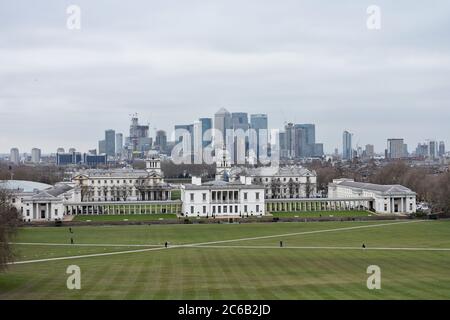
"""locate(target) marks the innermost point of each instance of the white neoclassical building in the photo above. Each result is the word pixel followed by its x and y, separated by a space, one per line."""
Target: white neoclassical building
pixel 383 198
pixel 222 198
pixel 125 184
pixel 279 182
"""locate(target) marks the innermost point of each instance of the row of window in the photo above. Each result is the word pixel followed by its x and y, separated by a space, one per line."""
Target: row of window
pixel 224 197
pixel 224 209
pixel 118 181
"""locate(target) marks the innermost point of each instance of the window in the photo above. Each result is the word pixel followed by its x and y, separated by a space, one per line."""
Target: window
pixel 219 208
pixel 204 196
pixel 236 209
pixel 204 209
pixel 192 197
pixel 245 195
pixel 28 212
pixel 192 209
pixel 257 196
pixel 410 206
pixel 245 208
pixel 56 212
pixel 257 208
pixel 213 195
pixel 213 209
pixel 224 209
pixel 231 209
pixel 385 207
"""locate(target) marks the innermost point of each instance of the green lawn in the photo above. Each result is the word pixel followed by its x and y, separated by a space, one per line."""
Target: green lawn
pixel 124 217
pixel 245 269
pixel 315 214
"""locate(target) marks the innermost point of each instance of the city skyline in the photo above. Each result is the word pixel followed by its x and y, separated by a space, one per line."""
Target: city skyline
pixel 300 63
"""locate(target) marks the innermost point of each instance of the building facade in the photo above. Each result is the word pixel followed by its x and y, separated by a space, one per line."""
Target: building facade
pixel 383 198
pixel 222 198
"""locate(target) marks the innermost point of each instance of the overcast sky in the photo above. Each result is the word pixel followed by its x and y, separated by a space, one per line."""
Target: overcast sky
pixel 175 61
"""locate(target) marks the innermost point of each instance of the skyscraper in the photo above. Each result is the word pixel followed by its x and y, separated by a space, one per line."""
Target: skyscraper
pixel 369 151
pixel 35 155
pixel 110 142
pixel 14 156
pixel 206 125
pixel 101 147
pixel 395 148
pixel 161 141
pixel 259 123
pixel 347 149
pixel 441 149
pixel 433 149
pixel 222 123
pixel 119 143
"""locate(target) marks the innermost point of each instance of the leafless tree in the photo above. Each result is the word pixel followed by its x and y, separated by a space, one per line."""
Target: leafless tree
pixel 8 224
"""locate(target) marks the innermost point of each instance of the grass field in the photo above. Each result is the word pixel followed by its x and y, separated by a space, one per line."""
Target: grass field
pixel 322 260
pixel 315 214
pixel 125 217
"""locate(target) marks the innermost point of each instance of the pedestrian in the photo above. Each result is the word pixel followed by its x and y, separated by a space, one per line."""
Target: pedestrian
pixel 71 240
pixel 281 244
pixel 70 230
pixel 165 244
pixel 364 246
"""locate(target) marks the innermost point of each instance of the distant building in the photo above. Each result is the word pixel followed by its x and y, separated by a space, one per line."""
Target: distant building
pixel 347 149
pixel 222 123
pixel 206 125
pixel 161 141
pixel 369 150
pixel 36 155
pixel 119 144
pixel 422 150
pixel 60 150
pixel 63 159
pixel 395 148
pixel 259 123
pixel 433 149
pixel 72 150
pixel 441 149
pixel 14 156
pixel 94 160
pixel 101 147
pixel 139 142
pixel 110 142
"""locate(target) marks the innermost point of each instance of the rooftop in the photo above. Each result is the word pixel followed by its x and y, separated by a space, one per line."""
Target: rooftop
pixel 23 185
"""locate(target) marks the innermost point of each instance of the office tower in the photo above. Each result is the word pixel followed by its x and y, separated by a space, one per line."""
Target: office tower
pixel 184 133
pixel 347 149
pixel 259 123
pixel 395 148
pixel 239 120
pixel 222 123
pixel 433 149
pixel 206 125
pixel 282 143
pixel 14 156
pixel 422 150
pixel 119 144
pixel 161 141
pixel 36 155
pixel 369 151
pixel 101 147
pixel 138 142
pixel 405 150
pixel 441 149
pixel 197 143
pixel 110 142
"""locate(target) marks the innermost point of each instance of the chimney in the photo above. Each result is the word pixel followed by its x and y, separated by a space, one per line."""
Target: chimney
pixel 197 181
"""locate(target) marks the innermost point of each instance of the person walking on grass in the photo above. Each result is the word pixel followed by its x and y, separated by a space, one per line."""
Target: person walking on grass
pixel 363 246
pixel 281 244
pixel 71 240
pixel 166 244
